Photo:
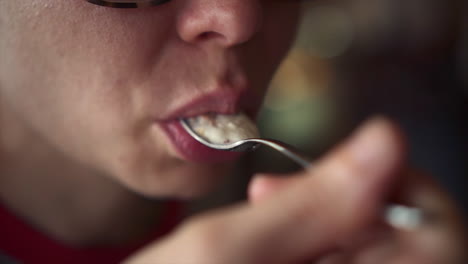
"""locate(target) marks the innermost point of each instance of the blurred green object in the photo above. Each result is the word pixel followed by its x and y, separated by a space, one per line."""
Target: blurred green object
pixel 302 122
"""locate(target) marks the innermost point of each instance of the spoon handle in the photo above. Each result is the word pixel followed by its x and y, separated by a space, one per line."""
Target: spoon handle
pixel 285 149
pixel 396 215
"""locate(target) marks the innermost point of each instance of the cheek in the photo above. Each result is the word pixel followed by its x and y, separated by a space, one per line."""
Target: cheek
pixel 64 73
pixel 69 59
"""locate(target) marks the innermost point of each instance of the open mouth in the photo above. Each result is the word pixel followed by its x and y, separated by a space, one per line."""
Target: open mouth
pixel 223 129
pixel 216 128
pixel 216 115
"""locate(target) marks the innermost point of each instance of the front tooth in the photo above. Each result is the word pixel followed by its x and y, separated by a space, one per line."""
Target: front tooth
pixel 223 129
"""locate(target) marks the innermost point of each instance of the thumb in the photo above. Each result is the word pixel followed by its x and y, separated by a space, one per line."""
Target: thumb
pixel 263 186
pixel 342 193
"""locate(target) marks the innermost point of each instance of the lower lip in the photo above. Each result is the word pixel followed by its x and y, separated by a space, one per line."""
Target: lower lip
pixel 192 150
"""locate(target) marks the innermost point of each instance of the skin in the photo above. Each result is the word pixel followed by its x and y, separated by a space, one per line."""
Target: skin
pixel 136 77
pixel 83 90
pixel 86 87
pixel 303 218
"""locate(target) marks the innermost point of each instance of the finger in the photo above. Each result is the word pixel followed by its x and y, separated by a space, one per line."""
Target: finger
pixel 264 185
pixel 341 195
pixel 442 238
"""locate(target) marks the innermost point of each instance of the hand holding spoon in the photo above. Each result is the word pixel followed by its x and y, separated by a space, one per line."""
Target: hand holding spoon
pixel 238 133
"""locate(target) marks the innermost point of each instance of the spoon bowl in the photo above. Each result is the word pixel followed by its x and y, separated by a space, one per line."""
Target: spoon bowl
pixel 249 144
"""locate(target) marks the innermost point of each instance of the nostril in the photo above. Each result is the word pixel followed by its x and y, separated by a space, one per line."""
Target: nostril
pixel 209 35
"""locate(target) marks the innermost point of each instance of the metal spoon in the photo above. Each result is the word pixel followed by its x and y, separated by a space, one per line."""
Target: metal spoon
pixel 396 215
pixel 250 144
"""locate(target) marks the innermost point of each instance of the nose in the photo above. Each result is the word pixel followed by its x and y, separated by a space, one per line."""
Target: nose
pixel 225 22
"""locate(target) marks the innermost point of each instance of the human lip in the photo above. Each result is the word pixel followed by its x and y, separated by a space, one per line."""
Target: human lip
pixel 219 102
pixel 192 150
pixel 222 102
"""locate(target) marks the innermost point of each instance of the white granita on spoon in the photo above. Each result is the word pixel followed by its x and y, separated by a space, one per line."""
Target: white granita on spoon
pixel 223 129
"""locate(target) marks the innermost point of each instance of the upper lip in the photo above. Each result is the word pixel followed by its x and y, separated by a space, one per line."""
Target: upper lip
pixel 220 102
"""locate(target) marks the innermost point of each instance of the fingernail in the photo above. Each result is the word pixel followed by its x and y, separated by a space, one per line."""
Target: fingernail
pixel 375 145
pixel 258 187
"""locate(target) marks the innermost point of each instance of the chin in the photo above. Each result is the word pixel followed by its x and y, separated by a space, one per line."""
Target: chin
pixel 183 181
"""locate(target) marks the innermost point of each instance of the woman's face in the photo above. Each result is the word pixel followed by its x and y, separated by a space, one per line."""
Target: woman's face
pixel 106 86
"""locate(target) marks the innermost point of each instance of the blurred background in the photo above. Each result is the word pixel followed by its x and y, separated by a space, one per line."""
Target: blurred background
pixel 356 58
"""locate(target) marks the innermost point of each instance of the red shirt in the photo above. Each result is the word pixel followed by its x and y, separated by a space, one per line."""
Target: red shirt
pixel 19 242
